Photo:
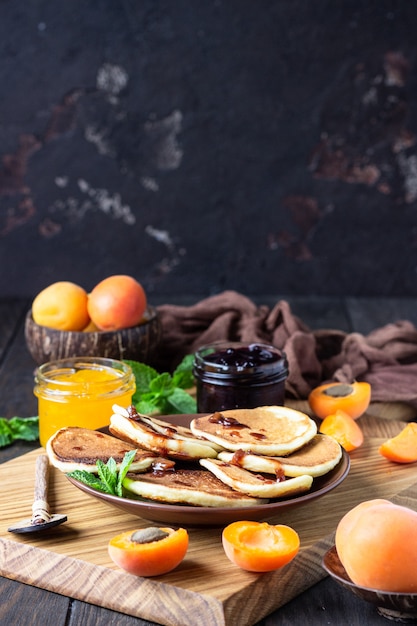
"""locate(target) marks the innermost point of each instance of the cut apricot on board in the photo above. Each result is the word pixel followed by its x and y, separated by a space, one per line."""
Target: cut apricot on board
pixel 259 546
pixel 149 551
pixel 344 429
pixel 403 447
pixel 352 398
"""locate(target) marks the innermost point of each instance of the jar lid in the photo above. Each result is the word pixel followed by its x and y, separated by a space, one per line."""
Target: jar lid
pixel 82 376
pixel 226 360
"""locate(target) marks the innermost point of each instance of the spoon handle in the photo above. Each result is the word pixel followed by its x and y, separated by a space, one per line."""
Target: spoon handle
pixel 40 506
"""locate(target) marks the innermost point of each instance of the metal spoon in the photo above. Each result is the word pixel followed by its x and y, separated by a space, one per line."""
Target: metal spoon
pixel 41 518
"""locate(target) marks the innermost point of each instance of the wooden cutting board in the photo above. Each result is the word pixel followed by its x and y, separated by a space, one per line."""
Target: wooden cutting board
pixel 72 559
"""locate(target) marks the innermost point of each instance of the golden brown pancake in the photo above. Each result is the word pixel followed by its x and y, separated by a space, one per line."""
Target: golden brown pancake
pixel 266 430
pixel 194 487
pixel 163 438
pixel 254 485
pixel 317 457
pixel 76 448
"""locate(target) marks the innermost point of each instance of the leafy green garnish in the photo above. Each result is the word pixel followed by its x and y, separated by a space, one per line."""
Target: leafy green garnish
pixel 108 479
pixel 164 393
pixel 15 428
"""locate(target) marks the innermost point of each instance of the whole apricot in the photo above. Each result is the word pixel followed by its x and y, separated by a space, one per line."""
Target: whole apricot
pixel 62 305
pixel 377 544
pixel 117 302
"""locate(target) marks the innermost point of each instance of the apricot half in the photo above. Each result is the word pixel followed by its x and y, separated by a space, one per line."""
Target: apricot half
pixel 377 544
pixel 149 552
pixel 259 546
pixel 117 302
pixel 352 398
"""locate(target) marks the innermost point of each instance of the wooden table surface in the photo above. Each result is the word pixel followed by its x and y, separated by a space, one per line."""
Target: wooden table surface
pixel 324 603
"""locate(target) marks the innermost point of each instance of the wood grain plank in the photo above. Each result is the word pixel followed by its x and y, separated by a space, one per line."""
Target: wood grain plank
pixel 17 369
pixel 12 314
pixel 31 606
pixel 73 559
pixel 97 584
pixel 86 614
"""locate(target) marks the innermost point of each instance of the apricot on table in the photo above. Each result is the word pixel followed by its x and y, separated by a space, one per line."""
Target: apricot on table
pixel 403 447
pixel 61 305
pixel 352 398
pixel 344 429
pixel 377 544
pixel 117 302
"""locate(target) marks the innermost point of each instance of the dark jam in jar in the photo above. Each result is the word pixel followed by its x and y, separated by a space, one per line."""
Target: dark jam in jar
pixel 235 375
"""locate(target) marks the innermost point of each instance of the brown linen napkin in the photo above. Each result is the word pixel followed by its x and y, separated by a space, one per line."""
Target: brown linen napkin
pixel 386 358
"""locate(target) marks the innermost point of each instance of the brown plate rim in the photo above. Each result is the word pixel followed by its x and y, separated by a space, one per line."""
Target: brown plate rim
pixel 209 516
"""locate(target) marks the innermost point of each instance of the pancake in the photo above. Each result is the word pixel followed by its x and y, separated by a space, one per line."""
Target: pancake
pixel 160 437
pixel 317 457
pixel 254 485
pixel 266 430
pixel 183 486
pixel 74 448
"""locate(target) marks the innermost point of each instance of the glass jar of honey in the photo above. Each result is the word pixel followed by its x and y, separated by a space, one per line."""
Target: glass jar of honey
pixel 80 391
pixel 236 375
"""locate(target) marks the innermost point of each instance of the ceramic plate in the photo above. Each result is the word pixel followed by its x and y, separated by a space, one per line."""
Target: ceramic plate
pixel 183 515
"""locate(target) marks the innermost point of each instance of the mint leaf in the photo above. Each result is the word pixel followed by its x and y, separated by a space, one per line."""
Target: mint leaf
pixel 143 374
pixel 109 479
pixel 163 393
pixel 26 428
pixel 149 404
pixel 124 468
pixel 6 434
pixel 108 474
pixel 162 384
pixel 89 479
pixel 183 376
pixel 15 428
pixel 182 402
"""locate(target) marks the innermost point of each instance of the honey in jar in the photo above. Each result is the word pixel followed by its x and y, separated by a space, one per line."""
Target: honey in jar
pixel 80 392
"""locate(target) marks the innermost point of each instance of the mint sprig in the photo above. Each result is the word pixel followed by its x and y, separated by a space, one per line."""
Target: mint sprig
pixel 18 428
pixel 108 479
pixel 163 393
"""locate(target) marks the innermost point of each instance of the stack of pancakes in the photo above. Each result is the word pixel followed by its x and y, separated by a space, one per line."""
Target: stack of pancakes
pixel 234 458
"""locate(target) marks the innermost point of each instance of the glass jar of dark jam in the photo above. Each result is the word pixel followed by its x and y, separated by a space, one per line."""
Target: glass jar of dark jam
pixel 236 375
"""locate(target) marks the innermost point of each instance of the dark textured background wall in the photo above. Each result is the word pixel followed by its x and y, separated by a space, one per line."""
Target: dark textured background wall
pixel 267 147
